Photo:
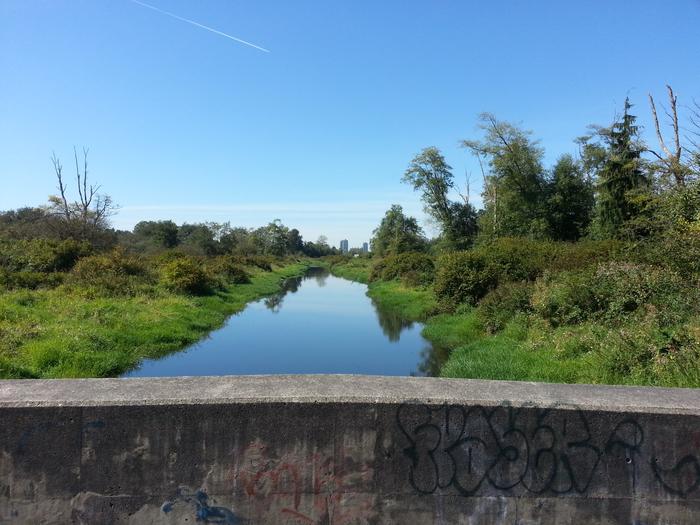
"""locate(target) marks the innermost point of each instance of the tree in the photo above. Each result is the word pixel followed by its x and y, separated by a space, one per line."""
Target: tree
pixel 622 187
pixel 273 238
pixel 87 217
pixel 318 248
pixel 570 200
pixel 197 239
pixel 671 164
pixel 163 234
pixel 432 176
pixel 240 241
pixel 295 243
pixel 514 197
pixel 397 233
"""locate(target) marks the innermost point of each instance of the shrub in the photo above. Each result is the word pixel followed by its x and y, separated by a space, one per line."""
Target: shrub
pixel 613 292
pixel 623 288
pixel 259 261
pixel 463 277
pixel 502 304
pixel 41 255
pixel 679 251
pixel 186 275
pixel 469 276
pixel 229 270
pixel 29 280
pixel 414 268
pixel 114 273
pixel 583 254
pixel 565 297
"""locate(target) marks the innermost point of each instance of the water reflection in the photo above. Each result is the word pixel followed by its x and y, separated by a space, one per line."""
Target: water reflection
pixel 431 357
pixel 316 324
pixel 292 284
pixel 392 324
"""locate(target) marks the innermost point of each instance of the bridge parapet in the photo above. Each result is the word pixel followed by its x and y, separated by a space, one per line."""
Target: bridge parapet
pixel 346 450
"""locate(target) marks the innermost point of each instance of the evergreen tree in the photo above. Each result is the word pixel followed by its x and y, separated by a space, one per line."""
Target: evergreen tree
pixel 570 200
pixel 622 187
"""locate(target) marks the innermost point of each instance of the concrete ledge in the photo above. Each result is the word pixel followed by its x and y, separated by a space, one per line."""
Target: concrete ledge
pixel 346 450
pixel 340 389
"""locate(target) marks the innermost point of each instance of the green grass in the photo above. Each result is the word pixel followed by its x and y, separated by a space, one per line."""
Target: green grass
pixel 503 356
pixel 50 333
pixel 527 349
pixel 355 269
pixel 414 304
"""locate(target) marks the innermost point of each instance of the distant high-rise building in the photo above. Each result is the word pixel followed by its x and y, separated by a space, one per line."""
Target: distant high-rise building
pixel 344 246
pixel 365 247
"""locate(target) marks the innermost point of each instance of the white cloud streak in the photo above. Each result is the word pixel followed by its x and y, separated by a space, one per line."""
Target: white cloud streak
pixel 197 24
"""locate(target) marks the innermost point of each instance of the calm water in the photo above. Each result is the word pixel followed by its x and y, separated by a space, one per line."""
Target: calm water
pixel 318 324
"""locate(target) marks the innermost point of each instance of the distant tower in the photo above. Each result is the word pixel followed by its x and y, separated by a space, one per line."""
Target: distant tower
pixel 365 247
pixel 344 246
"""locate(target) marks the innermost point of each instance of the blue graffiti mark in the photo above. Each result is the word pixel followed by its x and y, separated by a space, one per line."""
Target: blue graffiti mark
pixel 97 424
pixel 203 511
pixel 24 438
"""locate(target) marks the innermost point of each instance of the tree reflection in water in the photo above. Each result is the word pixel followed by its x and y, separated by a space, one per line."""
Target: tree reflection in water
pixel 392 324
pixel 291 285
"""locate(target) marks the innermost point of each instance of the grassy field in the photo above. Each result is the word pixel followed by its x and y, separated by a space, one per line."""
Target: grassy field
pixel 51 333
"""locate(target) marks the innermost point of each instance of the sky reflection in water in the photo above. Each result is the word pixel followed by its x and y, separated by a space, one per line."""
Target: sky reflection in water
pixel 318 324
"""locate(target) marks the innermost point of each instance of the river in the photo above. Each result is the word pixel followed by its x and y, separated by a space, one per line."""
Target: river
pixel 317 324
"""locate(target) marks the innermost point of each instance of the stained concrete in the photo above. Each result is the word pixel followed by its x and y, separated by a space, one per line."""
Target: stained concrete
pixel 346 450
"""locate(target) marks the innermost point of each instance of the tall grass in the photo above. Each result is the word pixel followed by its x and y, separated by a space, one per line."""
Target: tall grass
pixel 54 333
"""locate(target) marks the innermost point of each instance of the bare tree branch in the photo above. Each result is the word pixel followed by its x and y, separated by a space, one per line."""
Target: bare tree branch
pixel 58 168
pixel 672 162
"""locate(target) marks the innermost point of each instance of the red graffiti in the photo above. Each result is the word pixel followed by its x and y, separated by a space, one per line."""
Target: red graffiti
pixel 279 484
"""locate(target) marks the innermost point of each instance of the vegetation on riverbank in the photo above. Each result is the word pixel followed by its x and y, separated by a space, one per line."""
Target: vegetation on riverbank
pixel 586 271
pixel 596 312
pixel 81 329
pixel 81 299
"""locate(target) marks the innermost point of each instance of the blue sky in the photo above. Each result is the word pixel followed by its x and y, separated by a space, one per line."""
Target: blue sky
pixel 186 124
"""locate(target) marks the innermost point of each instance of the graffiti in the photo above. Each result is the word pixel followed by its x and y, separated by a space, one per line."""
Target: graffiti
pixel 681 479
pixel 203 511
pixel 505 447
pixel 278 484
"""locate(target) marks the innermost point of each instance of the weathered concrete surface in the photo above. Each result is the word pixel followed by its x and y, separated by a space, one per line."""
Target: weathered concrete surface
pixel 346 450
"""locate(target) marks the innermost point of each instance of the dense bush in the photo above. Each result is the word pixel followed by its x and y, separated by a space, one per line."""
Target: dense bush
pixel 264 262
pixel 414 268
pixel 565 297
pixel 463 277
pixel 611 293
pixel 41 255
pixel 114 273
pixel 186 275
pixel 229 270
pixel 623 288
pixel 29 280
pixel 503 303
pixel 469 276
pixel 583 254
pixel 679 251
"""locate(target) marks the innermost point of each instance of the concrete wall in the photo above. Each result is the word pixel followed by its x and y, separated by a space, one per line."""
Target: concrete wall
pixel 346 450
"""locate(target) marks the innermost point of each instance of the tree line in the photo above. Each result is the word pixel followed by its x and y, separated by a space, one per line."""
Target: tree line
pixel 614 187
pixel 85 218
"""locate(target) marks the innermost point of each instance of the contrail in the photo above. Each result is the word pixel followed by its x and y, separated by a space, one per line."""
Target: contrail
pixel 200 25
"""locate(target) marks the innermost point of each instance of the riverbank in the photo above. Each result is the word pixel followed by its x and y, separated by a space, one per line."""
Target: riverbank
pixel 52 333
pixel 480 342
